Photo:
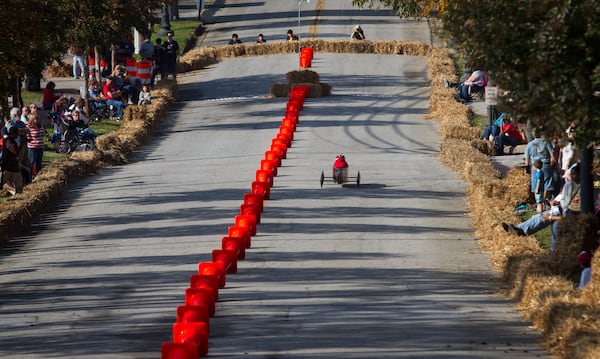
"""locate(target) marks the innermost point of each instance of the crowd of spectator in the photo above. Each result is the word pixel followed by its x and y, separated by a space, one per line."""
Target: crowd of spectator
pixel 24 130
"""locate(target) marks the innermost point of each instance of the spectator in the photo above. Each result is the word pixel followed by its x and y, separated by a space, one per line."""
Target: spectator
pixel 509 136
pixel 475 83
pixel 540 194
pixel 566 203
pixel 261 39
pixel 159 62
pixel 145 96
pixel 129 91
pixel 124 49
pixel 566 153
pixel 77 53
pixel 147 49
pixel 171 49
pixel 541 149
pixel 585 261
pixel 79 120
pixel 596 182
pixel 49 96
pixel 11 179
pixel 35 143
pixel 94 92
pixel 113 95
pixel 493 130
pixel 357 33
pixel 234 40
pixel 291 36
pixel 25 112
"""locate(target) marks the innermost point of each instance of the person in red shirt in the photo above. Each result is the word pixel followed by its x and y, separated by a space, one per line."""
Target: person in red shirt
pixel 112 94
pixel 340 162
pixel 49 96
pixel 509 136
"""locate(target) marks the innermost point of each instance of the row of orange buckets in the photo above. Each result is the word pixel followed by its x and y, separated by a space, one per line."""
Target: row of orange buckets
pixel 191 329
pixel 306 57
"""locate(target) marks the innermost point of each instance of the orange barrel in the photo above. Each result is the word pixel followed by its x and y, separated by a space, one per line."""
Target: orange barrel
pixel 91 67
pixel 305 61
pixel 193 314
pixel 131 67
pixel 196 333
pixel 179 351
pixel 308 51
pixel 144 71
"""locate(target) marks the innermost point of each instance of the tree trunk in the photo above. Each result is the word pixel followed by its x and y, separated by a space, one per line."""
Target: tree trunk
pixel 587 184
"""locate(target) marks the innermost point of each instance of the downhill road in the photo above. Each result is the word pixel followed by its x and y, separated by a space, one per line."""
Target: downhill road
pixel 385 270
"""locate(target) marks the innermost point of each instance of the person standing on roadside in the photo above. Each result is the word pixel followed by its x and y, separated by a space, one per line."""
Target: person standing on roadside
pixel 77 62
pixel 35 143
pixel 159 61
pixel 12 181
pixel 147 49
pixel 171 50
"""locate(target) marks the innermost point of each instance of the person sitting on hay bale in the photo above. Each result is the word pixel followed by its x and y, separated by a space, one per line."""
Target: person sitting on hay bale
pixel 474 85
pixel 567 203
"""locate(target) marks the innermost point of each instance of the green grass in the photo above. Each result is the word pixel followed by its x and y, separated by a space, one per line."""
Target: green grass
pixel 479 121
pixel 183 30
pixel 30 97
pixel 544 236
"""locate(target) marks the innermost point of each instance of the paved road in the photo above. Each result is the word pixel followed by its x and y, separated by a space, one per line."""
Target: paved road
pixel 319 19
pixel 386 270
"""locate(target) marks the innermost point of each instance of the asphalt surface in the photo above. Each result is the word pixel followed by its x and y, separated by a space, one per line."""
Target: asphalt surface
pixel 385 270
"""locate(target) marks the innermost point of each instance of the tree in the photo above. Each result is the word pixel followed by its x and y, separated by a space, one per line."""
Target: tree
pixel 31 40
pixel 546 54
pixel 39 31
pixel 406 8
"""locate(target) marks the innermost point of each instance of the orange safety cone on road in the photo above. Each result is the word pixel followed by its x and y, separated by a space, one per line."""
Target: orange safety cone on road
pixel 211 268
pixel 201 296
pixel 196 333
pixel 179 351
pixel 193 314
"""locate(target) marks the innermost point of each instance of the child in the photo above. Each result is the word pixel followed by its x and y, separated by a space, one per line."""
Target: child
pixel 145 98
pixel 538 180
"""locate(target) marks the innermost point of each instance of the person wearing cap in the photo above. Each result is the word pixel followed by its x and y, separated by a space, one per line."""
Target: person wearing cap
pixel 357 33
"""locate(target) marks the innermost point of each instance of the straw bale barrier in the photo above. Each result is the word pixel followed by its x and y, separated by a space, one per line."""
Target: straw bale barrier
pixel 568 319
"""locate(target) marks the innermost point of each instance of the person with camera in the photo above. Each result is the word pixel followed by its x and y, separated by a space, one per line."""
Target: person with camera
pixel 113 97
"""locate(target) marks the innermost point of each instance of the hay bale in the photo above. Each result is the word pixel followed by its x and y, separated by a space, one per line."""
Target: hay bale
pixel 575 233
pixel 60 70
pixel 314 90
pixel 302 77
pixel 280 90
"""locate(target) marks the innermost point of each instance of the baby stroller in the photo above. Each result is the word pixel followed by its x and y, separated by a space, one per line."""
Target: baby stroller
pixel 69 137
